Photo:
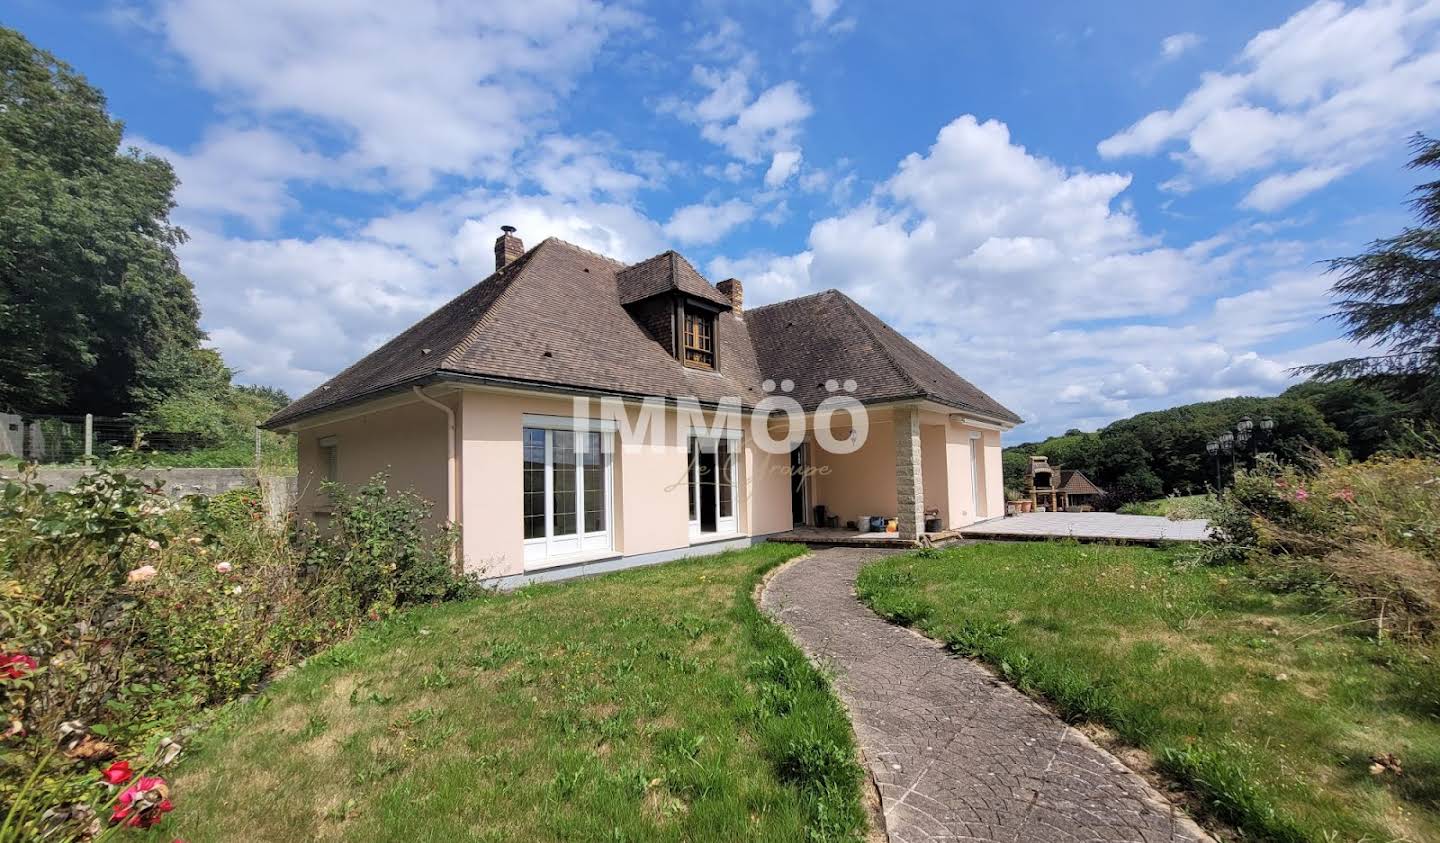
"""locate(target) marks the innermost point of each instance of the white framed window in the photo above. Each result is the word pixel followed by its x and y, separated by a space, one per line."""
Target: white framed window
pixel 714 478
pixel 330 458
pixel 567 489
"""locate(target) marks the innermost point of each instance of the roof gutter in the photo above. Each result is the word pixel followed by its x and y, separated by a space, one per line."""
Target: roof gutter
pixel 445 376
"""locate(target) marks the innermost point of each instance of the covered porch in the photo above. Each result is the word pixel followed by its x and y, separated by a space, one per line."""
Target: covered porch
pixel 920 472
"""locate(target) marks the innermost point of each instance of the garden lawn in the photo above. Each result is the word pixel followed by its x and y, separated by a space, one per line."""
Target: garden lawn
pixel 1266 705
pixel 654 704
pixel 1181 506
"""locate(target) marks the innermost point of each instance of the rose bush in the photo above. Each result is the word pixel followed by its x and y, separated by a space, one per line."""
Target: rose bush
pixel 125 616
pixel 1369 528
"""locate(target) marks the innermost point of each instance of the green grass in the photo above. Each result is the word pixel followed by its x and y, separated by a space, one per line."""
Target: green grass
pixel 654 704
pixel 1267 706
pixel 1177 506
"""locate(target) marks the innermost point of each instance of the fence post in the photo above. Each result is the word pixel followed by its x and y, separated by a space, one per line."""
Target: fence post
pixel 257 449
pixel 89 436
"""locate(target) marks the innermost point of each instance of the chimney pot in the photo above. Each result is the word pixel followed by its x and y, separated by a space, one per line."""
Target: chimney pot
pixel 733 290
pixel 508 247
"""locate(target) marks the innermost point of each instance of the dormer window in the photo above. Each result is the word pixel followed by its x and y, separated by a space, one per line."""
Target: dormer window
pixel 698 338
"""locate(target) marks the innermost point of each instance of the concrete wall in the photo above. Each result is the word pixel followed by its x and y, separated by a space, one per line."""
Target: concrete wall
pixel 405 441
pixel 178 482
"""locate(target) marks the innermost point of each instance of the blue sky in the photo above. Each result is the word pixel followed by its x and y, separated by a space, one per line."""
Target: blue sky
pixel 1089 210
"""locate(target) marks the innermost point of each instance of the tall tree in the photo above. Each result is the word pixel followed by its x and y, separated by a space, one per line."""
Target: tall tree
pixel 1389 299
pixel 92 300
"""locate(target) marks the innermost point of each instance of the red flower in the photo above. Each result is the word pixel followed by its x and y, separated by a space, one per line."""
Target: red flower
pixel 17 665
pixel 117 773
pixel 143 803
pixel 1346 495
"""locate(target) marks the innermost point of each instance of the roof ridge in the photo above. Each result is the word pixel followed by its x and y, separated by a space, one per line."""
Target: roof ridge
pixel 580 248
pixel 472 336
pixel 651 258
pixel 813 295
pixel 855 310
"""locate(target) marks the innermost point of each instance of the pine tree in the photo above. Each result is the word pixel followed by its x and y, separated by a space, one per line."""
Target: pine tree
pixel 1389 299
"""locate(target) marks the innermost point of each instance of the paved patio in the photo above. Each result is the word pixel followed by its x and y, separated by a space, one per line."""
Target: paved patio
pixel 956 753
pixel 1090 526
pixel 833 537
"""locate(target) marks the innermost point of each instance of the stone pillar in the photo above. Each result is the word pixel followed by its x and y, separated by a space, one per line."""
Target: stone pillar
pixel 909 490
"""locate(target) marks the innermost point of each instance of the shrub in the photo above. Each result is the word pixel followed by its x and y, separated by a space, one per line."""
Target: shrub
pixel 382 546
pixel 1372 527
pixel 124 615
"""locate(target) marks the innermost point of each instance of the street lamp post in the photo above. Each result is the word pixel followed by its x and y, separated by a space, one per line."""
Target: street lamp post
pixel 1244 441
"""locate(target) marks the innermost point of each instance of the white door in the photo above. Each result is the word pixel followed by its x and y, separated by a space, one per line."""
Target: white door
pixel 713 486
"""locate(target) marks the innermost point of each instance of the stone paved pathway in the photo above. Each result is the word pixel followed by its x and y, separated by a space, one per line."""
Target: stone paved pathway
pixel 957 754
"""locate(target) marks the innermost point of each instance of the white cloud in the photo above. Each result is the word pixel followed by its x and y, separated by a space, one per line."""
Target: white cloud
pixel 749 128
pixel 487 71
pixel 701 223
pixel 823 9
pixel 782 167
pixel 240 172
pixel 292 312
pixel 1037 282
pixel 579 168
pixel 1277 191
pixel 1321 94
pixel 1178 44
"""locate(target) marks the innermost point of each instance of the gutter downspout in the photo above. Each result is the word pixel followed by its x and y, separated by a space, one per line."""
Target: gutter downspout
pixel 452 494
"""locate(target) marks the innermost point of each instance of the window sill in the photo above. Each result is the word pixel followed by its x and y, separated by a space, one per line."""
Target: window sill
pixel 571 559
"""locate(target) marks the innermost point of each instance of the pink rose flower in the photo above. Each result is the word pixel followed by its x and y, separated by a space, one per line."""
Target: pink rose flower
pixel 1301 495
pixel 144 573
pixel 1346 495
pixel 153 545
pixel 143 803
pixel 223 567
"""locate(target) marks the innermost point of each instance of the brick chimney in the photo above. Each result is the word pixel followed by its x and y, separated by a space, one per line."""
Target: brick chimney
pixel 736 293
pixel 507 247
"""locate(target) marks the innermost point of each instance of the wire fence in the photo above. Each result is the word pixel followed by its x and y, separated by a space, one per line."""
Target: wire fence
pixel 79 440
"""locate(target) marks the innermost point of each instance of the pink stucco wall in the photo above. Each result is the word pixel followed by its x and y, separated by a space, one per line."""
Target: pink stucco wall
pixel 406 441
pixel 857 484
pixel 767 481
pixel 650 482
pixel 935 471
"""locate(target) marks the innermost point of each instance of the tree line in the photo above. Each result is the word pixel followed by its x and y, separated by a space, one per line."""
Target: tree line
pixel 1163 452
pixel 95 312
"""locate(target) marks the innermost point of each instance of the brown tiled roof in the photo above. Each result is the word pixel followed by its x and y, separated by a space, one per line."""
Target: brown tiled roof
pixel 556 317
pixel 664 273
pixel 1076 483
pixel 826 336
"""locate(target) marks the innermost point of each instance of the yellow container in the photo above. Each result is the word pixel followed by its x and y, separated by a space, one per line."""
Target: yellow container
pixel 892 525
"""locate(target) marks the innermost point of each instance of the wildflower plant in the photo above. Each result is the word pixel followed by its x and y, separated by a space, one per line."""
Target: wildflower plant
pixel 125 615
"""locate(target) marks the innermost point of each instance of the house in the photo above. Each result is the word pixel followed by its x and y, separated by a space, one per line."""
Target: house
pixel 572 413
pixel 1077 492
